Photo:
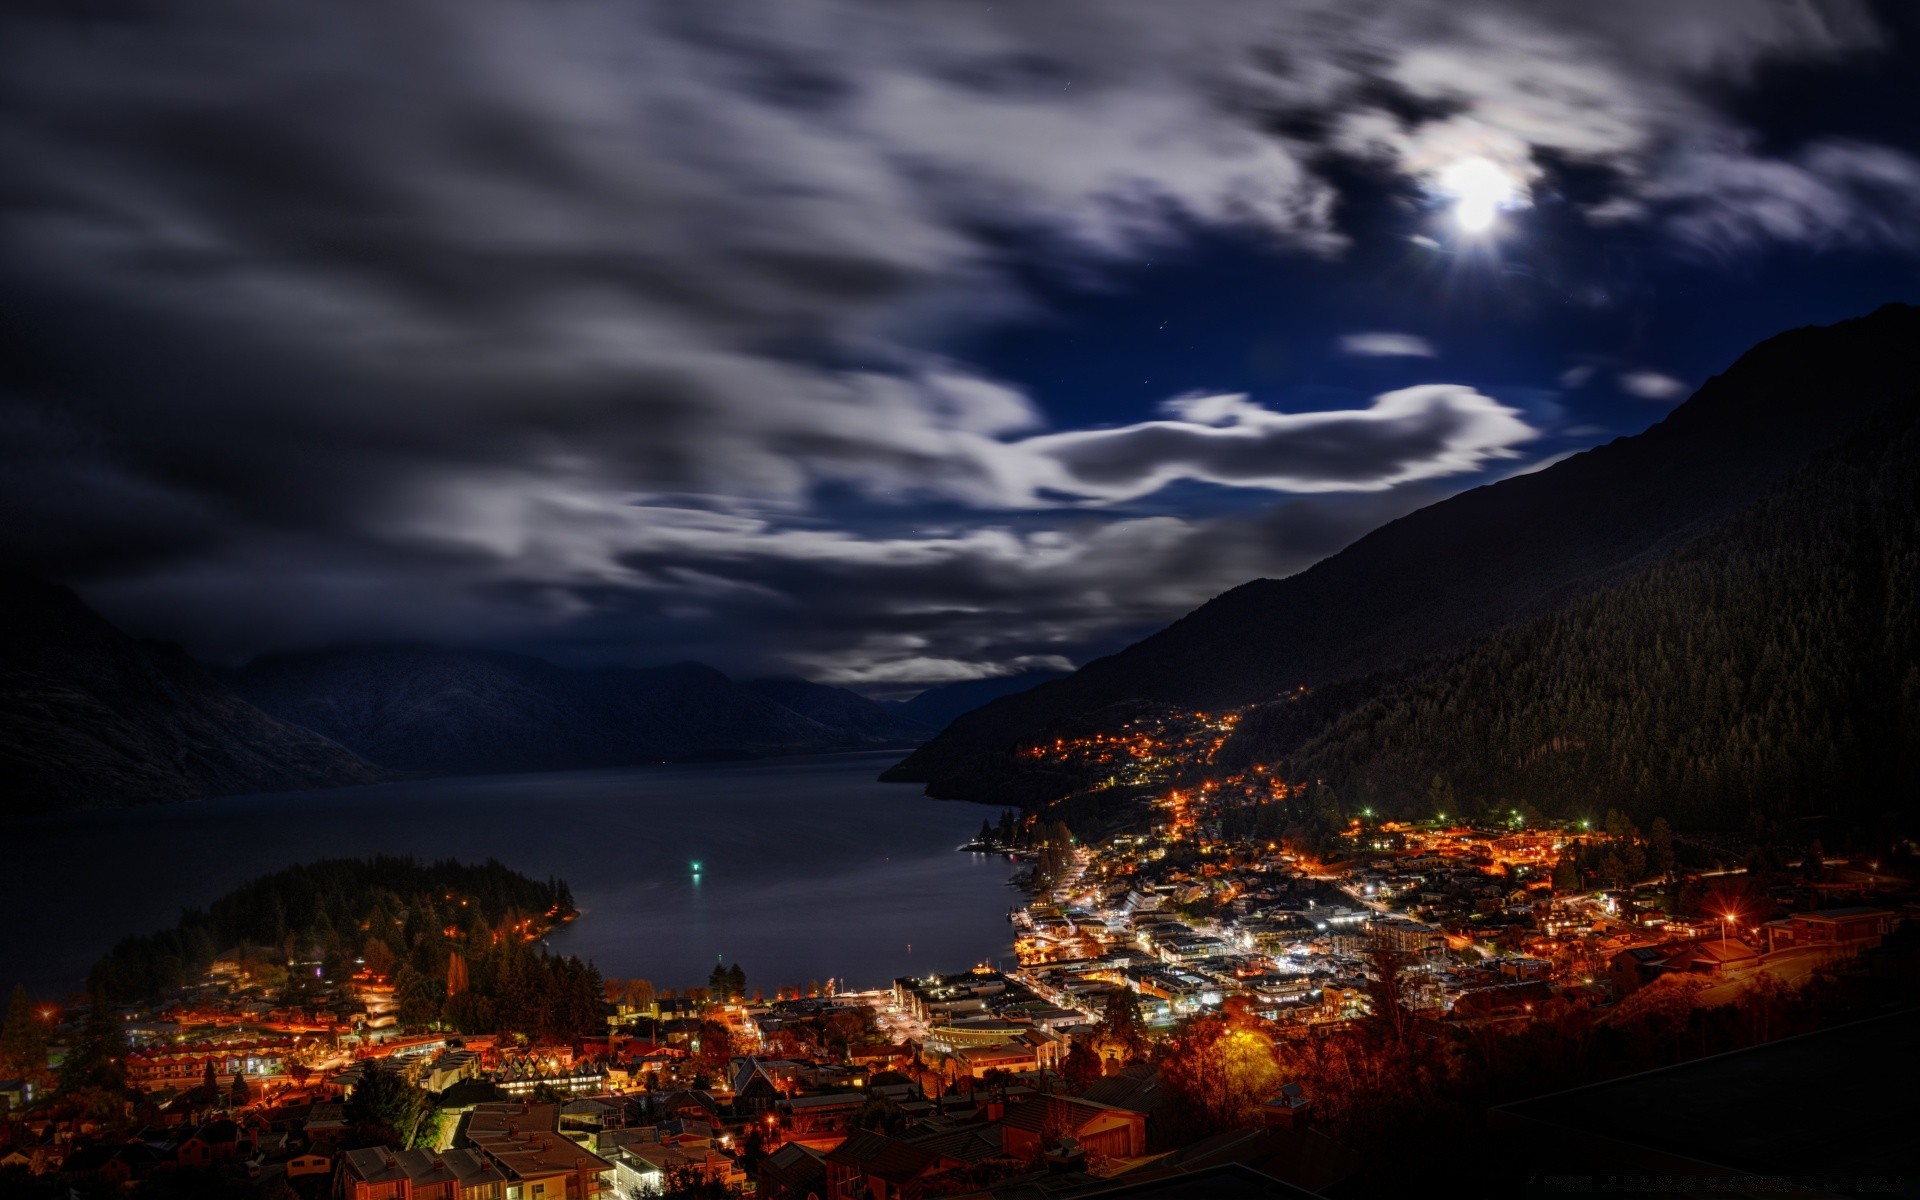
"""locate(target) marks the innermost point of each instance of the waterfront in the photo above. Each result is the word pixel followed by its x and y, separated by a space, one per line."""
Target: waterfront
pixel 809 868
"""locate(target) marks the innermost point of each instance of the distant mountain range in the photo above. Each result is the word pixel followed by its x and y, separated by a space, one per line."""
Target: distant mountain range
pixel 1468 586
pixel 425 708
pixel 935 708
pixel 91 717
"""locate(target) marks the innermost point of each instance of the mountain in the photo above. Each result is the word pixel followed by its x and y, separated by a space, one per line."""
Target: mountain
pixel 1771 665
pixel 90 717
pixel 1470 565
pixel 936 707
pixel 431 708
pixel 838 708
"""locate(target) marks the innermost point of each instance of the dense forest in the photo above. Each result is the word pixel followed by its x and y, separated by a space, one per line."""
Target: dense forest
pixel 1770 665
pixel 458 941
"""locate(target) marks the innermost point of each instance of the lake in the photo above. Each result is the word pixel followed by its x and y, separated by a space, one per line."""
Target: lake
pixel 810 869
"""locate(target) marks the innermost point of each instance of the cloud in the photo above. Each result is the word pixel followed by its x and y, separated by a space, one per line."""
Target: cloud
pixel 1723 200
pixel 1415 433
pixel 1385 345
pixel 1652 385
pixel 553 324
pixel 1576 376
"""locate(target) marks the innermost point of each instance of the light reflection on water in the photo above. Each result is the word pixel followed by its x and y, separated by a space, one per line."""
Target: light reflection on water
pixel 809 869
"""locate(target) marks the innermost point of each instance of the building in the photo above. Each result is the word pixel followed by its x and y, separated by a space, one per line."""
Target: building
pixel 1102 1130
pixel 379 1173
pixel 524 1143
pixel 793 1172
pixel 1845 930
pixel 873 1166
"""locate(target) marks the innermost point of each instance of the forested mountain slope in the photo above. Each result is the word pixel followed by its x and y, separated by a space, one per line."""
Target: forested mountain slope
pixel 1771 664
pixel 1475 563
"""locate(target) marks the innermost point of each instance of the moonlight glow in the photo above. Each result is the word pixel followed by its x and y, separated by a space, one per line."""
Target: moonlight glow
pixel 1480 188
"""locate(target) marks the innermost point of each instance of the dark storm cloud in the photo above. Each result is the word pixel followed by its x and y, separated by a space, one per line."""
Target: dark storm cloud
pixel 547 322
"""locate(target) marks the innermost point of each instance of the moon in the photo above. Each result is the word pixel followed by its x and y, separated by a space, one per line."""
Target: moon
pixel 1480 188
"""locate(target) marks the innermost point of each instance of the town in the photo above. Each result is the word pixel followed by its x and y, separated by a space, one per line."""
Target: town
pixel 1225 989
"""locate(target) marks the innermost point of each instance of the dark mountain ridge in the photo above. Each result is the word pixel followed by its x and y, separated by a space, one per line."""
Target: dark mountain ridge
pixel 90 717
pixel 444 710
pixel 1472 564
pixel 937 707
pixel 1769 666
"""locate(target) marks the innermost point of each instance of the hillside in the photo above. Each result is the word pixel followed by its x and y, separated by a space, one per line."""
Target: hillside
pixel 1772 664
pixel 937 707
pixel 430 708
pixel 89 717
pixel 1468 566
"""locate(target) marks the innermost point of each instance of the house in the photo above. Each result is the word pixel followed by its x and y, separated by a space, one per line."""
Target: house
pixel 824 1113
pixel 754 1090
pixel 873 1166
pixel 1102 1130
pixel 1138 1088
pixel 879 1055
pixel 1630 970
pixel 115 1166
pixel 1845 930
pixel 310 1163
pixel 379 1173
pixel 15 1094
pixel 215 1142
pixel 1502 1000
pixel 1714 957
pixel 646 1167
pixel 523 1141
pixel 793 1172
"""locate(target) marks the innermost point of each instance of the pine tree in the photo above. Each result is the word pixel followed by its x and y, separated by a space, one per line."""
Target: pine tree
pixel 98 1056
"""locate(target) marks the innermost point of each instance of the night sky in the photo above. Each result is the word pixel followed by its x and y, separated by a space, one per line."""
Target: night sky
pixel 882 343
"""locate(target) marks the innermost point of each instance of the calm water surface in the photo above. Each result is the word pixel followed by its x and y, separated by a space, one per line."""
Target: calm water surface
pixel 810 870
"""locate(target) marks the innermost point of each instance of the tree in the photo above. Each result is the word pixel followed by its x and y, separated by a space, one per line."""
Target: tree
pixel 23 1039
pixel 1121 1024
pixel 1220 1072
pixel 713 1046
pixel 240 1094
pixel 1391 1013
pixel 98 1056
pixel 385 1103
pixel 1660 847
pixel 210 1082
pixel 736 982
pixel 1082 1067
pixel 1566 876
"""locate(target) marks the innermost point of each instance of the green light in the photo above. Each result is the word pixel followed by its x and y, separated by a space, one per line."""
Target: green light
pixel 696 868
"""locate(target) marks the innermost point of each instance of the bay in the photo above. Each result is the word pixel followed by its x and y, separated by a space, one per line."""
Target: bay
pixel 809 869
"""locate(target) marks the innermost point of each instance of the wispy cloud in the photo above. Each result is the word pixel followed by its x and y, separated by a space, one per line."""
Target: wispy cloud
pixel 1652 385
pixel 1385 345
